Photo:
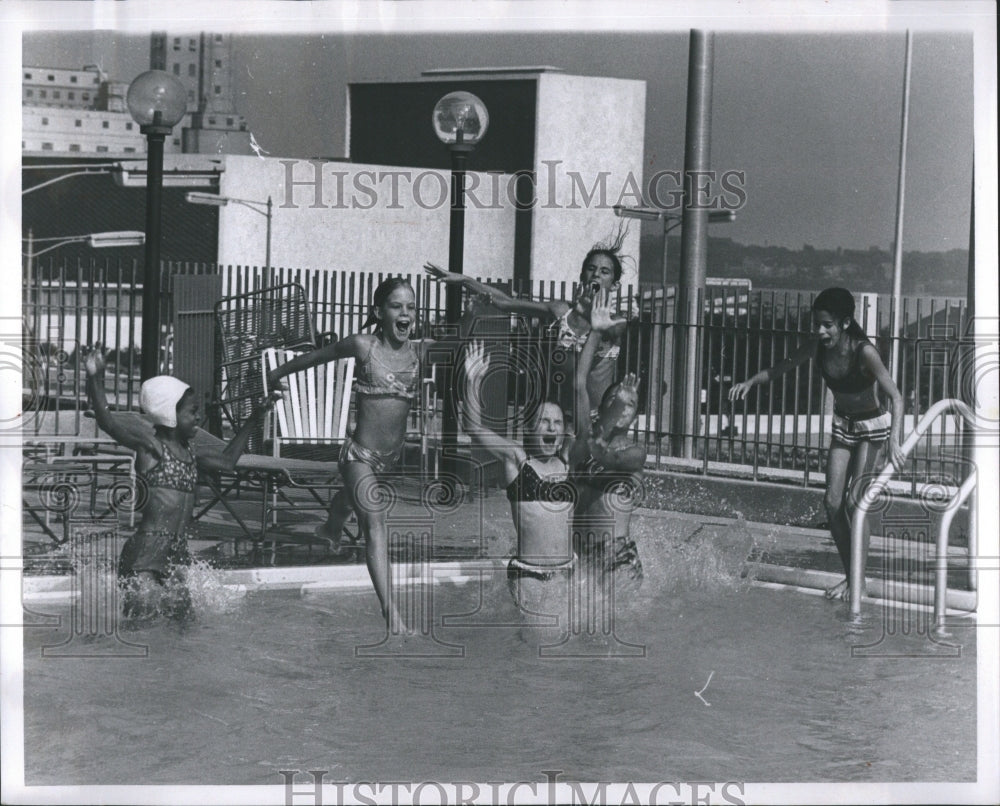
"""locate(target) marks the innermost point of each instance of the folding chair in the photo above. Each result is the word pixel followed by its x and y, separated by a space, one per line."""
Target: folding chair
pixel 275 316
pixel 314 408
pixel 309 421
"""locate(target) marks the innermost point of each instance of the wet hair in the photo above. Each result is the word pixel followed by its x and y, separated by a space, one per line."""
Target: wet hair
pixel 611 394
pixel 611 248
pixel 381 295
pixel 840 303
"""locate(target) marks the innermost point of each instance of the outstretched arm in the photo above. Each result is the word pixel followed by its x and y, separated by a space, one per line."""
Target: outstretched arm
pixel 871 361
pixel 136 436
pixel 476 365
pixel 497 298
pixel 799 356
pixel 226 459
pixel 345 348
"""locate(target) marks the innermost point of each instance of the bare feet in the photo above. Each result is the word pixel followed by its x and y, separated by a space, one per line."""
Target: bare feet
pixel 332 531
pixel 397 626
pixel 840 591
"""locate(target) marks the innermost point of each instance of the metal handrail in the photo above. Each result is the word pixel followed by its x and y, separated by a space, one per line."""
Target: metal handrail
pixel 941 575
pixel 875 490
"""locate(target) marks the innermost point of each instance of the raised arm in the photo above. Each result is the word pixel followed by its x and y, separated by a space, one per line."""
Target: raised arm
pixel 796 358
pixel 135 435
pixel 497 298
pixel 601 322
pixel 512 454
pixel 871 362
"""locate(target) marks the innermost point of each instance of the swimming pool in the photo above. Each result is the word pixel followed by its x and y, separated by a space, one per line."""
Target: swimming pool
pixel 733 682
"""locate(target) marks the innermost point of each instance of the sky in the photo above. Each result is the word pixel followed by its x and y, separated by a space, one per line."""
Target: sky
pixel 813 119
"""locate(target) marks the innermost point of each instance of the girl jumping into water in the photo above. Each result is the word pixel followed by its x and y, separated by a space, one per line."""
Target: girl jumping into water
pixel 535 474
pixel 851 368
pixel 569 322
pixel 387 380
pixel 152 565
pixel 606 467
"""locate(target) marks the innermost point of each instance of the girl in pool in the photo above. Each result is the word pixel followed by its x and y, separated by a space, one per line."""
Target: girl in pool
pixel 151 568
pixel 569 322
pixel 387 380
pixel 606 467
pixel 851 368
pixel 541 499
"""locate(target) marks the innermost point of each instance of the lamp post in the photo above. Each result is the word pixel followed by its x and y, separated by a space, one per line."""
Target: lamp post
pixel 157 101
pixel 95 240
pixel 221 201
pixel 671 221
pixel 460 120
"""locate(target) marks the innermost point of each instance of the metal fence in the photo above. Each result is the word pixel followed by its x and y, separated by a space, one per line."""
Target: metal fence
pixel 779 431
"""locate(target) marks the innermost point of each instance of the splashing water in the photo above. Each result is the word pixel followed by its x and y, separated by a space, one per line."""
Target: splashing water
pixel 709 558
pixel 209 595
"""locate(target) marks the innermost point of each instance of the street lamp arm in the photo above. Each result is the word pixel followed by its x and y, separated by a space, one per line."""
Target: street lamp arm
pixel 250 204
pixel 60 178
pixel 62 242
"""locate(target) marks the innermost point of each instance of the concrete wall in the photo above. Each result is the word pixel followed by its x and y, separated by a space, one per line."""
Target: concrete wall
pixel 589 134
pixel 359 224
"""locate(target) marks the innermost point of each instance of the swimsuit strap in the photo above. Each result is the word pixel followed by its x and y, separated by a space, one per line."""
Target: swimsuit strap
pixel 528 485
pixel 172 472
pixel 852 381
pixel 376 377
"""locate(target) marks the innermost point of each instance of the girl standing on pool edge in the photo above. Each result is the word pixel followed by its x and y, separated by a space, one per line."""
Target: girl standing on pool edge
pixel 569 322
pixel 386 380
pixel 851 367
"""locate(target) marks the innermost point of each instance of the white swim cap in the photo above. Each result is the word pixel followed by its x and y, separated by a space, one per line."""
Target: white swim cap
pixel 159 397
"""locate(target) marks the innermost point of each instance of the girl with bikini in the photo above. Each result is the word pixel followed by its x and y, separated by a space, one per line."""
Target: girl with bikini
pixel 387 380
pixel 852 368
pixel 541 499
pixel 568 322
pixel 151 568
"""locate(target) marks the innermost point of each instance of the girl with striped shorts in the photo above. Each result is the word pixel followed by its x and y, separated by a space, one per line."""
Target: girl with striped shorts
pixel 852 369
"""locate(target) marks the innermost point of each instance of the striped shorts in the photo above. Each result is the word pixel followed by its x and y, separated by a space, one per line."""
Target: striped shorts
pixel 864 427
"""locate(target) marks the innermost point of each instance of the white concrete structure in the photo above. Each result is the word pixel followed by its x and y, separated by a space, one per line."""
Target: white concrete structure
pixel 577 139
pixel 347 217
pixel 588 158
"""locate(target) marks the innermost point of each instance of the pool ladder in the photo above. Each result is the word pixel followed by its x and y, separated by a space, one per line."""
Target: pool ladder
pixel 874 492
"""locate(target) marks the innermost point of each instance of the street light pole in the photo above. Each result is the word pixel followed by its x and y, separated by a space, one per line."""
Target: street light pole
pixel 671 221
pixel 212 200
pixel 460 120
pixel 157 102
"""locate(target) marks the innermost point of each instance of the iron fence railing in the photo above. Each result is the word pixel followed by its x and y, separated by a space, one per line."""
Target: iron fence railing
pixel 781 429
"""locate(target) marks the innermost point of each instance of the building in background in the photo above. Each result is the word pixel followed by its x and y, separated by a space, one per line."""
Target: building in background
pixel 204 64
pixel 572 144
pixel 83 112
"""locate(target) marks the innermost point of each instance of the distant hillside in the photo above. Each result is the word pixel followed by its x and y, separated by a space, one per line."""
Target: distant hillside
pixel 809 269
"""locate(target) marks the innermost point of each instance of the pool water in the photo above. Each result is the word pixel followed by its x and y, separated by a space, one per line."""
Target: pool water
pixel 703 676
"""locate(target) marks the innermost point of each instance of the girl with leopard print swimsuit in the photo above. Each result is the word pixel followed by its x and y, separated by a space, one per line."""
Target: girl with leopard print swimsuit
pixel 152 561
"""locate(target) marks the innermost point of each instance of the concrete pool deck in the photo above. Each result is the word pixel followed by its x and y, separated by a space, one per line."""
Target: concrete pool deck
pixel 475 537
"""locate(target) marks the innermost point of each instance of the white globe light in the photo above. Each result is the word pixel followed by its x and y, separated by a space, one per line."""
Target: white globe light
pixel 156 91
pixel 460 117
